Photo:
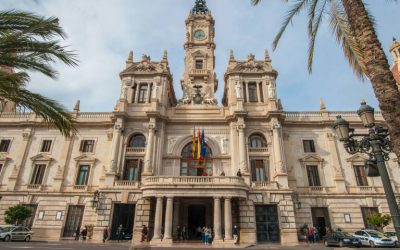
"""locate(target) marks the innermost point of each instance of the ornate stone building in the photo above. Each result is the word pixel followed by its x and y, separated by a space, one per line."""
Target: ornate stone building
pixel 135 166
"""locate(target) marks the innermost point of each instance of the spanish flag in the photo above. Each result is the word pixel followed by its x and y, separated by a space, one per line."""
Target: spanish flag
pixel 198 146
pixel 194 144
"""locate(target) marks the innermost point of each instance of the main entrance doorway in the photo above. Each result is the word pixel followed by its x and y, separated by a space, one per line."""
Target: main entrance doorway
pixel 267 223
pixel 74 220
pixel 123 214
pixel 196 220
pixel 320 217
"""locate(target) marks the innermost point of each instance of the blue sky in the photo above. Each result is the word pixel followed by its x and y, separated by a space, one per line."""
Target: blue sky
pixel 103 32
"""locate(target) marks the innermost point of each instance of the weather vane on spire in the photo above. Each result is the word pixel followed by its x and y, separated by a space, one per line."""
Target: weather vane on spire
pixel 200 7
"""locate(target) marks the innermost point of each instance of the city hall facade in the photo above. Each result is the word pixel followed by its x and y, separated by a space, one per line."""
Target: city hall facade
pixel 136 166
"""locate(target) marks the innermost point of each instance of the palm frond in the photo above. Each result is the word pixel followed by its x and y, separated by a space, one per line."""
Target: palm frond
pixel 315 23
pixel 294 10
pixel 52 113
pixel 340 28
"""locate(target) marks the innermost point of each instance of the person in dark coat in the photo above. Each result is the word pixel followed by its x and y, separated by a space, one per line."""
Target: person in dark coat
pixel 235 233
pixel 105 234
pixel 77 233
pixel 144 233
pixel 84 233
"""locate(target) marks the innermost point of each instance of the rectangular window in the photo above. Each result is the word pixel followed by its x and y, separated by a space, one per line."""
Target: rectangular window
pixel 83 175
pixel 133 169
pixel 252 92
pixel 313 176
pixel 308 146
pixel 361 177
pixel 199 64
pixel 38 174
pixel 87 146
pixel 46 146
pixel 258 172
pixel 142 93
pixel 4 145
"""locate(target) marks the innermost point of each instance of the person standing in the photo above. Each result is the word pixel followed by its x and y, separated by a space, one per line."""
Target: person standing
pixel 84 233
pixel 184 233
pixel 144 234
pixel 105 234
pixel 119 232
pixel 178 233
pixel 77 233
pixel 235 233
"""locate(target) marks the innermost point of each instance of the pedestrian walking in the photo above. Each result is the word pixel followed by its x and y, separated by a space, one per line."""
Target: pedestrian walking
pixel 119 232
pixel 144 234
pixel 84 233
pixel 105 234
pixel 184 233
pixel 310 234
pixel 77 233
pixel 235 233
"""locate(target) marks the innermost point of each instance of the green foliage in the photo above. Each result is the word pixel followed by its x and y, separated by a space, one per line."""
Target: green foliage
pixel 303 229
pixel 17 214
pixel 28 42
pixel 378 220
pixel 90 228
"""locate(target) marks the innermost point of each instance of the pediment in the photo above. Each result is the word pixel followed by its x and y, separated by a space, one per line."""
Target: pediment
pixel 311 158
pixel 85 158
pixel 41 157
pixel 199 53
pixel 357 158
pixel 145 68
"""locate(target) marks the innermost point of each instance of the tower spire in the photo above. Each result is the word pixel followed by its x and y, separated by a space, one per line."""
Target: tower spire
pixel 200 7
pixel 231 56
pixel 129 61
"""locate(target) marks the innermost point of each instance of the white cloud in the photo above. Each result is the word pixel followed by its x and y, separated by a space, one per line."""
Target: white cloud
pixel 102 32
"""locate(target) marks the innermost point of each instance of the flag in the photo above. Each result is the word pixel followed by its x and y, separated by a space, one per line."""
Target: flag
pixel 194 144
pixel 198 145
pixel 203 145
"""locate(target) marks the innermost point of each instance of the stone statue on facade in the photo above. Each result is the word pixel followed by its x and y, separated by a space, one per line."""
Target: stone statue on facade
pixel 209 100
pixel 271 92
pixel 239 91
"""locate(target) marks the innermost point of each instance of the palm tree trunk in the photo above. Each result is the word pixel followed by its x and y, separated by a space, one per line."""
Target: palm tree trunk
pixel 377 67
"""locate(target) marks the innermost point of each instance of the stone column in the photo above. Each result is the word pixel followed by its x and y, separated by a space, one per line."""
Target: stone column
pixel 149 151
pixel 246 84
pixel 279 156
pixel 242 149
pixel 148 98
pixel 158 219
pixel 168 220
pixel 136 100
pixel 258 91
pixel 115 147
pixel 228 218
pixel 217 218
pixel 176 221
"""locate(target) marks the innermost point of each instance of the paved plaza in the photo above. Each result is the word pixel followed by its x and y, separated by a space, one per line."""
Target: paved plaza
pixel 67 245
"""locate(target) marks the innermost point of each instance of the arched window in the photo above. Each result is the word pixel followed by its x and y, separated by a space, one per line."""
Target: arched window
pixel 257 141
pixel 191 166
pixel 137 141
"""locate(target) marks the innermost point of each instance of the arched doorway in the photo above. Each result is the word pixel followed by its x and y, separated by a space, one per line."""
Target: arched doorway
pixel 191 166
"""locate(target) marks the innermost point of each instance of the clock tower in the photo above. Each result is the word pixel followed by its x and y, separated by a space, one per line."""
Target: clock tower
pixel 199 81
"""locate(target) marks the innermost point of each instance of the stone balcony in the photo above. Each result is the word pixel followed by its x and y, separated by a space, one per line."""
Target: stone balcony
pixel 126 184
pixel 198 72
pixel 194 186
pixel 134 151
pixel 265 185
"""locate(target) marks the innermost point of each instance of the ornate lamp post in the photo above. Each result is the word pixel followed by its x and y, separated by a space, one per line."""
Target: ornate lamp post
pixel 377 145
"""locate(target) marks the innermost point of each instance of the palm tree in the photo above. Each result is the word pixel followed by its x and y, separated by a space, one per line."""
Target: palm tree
pixel 353 28
pixel 27 42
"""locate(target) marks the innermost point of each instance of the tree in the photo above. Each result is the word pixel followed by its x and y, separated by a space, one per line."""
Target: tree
pixel 17 214
pixel 28 43
pixel 353 28
pixel 379 221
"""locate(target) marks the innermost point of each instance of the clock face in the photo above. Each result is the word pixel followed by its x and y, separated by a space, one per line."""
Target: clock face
pixel 199 35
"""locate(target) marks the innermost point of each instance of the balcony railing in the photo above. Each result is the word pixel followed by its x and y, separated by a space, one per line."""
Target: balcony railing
pixel 362 189
pixel 80 187
pixel 135 150
pixel 34 186
pixel 126 184
pixel 176 180
pixel 199 72
pixel 265 185
pixel 258 150
pixel 312 189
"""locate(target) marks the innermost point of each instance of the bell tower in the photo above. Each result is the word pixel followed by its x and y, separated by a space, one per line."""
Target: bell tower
pixel 199 81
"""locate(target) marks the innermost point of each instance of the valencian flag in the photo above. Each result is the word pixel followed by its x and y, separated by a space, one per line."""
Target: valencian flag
pixel 194 144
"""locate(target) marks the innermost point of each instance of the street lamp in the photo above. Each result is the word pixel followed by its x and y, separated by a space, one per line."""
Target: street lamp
pixel 377 145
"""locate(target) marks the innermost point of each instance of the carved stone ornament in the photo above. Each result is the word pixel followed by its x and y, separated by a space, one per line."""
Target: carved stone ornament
pixel 26 134
pixel 251 65
pixel 171 142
